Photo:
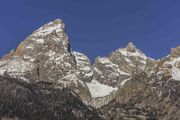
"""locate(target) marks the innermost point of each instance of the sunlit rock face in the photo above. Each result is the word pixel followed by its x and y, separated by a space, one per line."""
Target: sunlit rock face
pixel 122 78
pixel 169 66
pixel 45 54
pixel 120 65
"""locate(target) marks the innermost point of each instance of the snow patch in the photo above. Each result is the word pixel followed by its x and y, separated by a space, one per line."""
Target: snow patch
pixel 30 46
pixel 97 70
pixel 107 62
pixel 40 41
pixel 173 61
pixel 110 64
pixel 67 79
pixel 48 28
pixel 51 54
pixel 121 72
pixel 124 81
pixel 2 71
pixel 99 90
pixel 83 64
pixel 81 59
pixel 104 60
pixel 17 67
pixel 29 58
pixel 176 73
pixel 136 53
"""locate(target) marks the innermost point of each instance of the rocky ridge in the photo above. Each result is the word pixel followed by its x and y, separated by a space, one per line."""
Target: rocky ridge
pixel 120 80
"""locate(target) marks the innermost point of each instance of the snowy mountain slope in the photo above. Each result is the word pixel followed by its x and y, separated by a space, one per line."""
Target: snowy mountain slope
pixel 120 65
pixel 170 65
pixel 48 50
pixel 84 67
pixel 46 56
pixel 99 90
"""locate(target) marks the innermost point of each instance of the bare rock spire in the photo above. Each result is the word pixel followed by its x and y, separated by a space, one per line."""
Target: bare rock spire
pixel 131 47
pixel 48 50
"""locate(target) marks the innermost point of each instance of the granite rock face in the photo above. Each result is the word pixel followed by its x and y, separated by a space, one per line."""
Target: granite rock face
pixel 47 50
pixel 126 84
pixel 120 65
pixel 145 98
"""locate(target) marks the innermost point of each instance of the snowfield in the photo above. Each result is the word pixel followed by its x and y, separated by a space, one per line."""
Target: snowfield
pixel 176 73
pixel 99 90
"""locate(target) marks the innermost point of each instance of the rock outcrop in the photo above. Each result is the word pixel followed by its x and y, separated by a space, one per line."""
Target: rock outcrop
pixel 124 85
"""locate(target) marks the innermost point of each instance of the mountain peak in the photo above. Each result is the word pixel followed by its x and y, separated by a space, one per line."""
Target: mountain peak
pixel 56 22
pixel 175 51
pixel 50 36
pixel 46 52
pixel 131 47
pixel 45 60
pixel 55 26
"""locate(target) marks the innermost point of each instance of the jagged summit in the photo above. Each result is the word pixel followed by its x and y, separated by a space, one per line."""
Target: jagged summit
pixel 131 47
pixel 55 26
pixel 51 36
pixel 47 51
pixel 175 51
pixel 46 57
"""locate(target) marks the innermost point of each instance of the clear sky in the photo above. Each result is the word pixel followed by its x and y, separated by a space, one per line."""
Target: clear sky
pixel 96 27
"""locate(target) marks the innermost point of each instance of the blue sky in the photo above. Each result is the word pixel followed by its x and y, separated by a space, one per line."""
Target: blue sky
pixel 96 27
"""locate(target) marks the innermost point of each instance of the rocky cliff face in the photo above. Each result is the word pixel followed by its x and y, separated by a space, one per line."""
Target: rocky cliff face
pixel 144 98
pixel 44 55
pixel 120 65
pixel 124 85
